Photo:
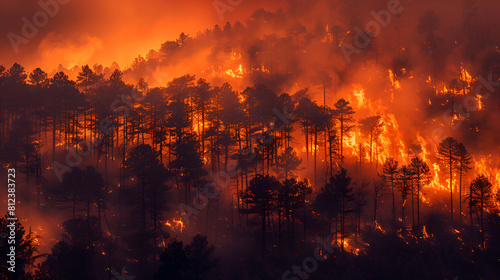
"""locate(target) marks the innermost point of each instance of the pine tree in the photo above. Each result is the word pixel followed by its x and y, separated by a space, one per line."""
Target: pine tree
pixel 463 166
pixel 390 175
pixel 482 192
pixel 447 155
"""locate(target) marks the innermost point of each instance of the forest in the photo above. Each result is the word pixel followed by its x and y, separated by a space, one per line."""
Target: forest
pixel 272 147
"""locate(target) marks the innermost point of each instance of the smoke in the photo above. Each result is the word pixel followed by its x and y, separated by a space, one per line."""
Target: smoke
pixel 55 49
pixel 125 28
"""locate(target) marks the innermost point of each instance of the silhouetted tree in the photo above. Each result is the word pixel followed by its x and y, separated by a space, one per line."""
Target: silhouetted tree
pixel 390 175
pixel 427 25
pixel 360 194
pixel 87 78
pixel 26 249
pixel 373 127
pixel 482 192
pixel 260 193
pixel 187 263
pixel 342 187
pixel 464 162
pixel 174 262
pixel 378 187
pixel 323 79
pixel 288 161
pixel 421 175
pixel 405 187
pixel 343 113
pixel 304 109
pixel 143 164
pixel 203 94
pixel 200 256
pixel 188 162
pixel 447 154
pixel 74 257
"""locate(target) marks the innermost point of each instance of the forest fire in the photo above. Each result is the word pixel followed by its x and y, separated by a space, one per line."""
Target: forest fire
pixel 253 135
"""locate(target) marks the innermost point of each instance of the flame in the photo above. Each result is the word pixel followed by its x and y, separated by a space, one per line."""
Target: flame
pixel 235 56
pixel 359 93
pixel 175 225
pixel 466 76
pixel 394 81
pixel 425 234
pixel 238 73
pixel 328 36
pixel 480 105
pixel 377 226
pixel 485 165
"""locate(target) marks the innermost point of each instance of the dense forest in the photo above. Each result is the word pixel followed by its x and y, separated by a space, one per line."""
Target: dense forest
pixel 275 147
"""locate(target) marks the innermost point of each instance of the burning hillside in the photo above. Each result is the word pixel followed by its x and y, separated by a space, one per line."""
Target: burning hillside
pixel 361 133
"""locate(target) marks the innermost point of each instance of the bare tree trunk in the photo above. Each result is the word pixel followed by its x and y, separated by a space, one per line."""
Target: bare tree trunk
pixel 451 185
pixel 460 198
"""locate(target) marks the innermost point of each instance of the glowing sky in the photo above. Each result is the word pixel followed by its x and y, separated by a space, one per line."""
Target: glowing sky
pixel 86 32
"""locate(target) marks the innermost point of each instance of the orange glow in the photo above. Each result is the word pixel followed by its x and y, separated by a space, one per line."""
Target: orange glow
pixel 360 96
pixel 175 225
pixel 394 81
pixel 425 234
pixel 480 105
